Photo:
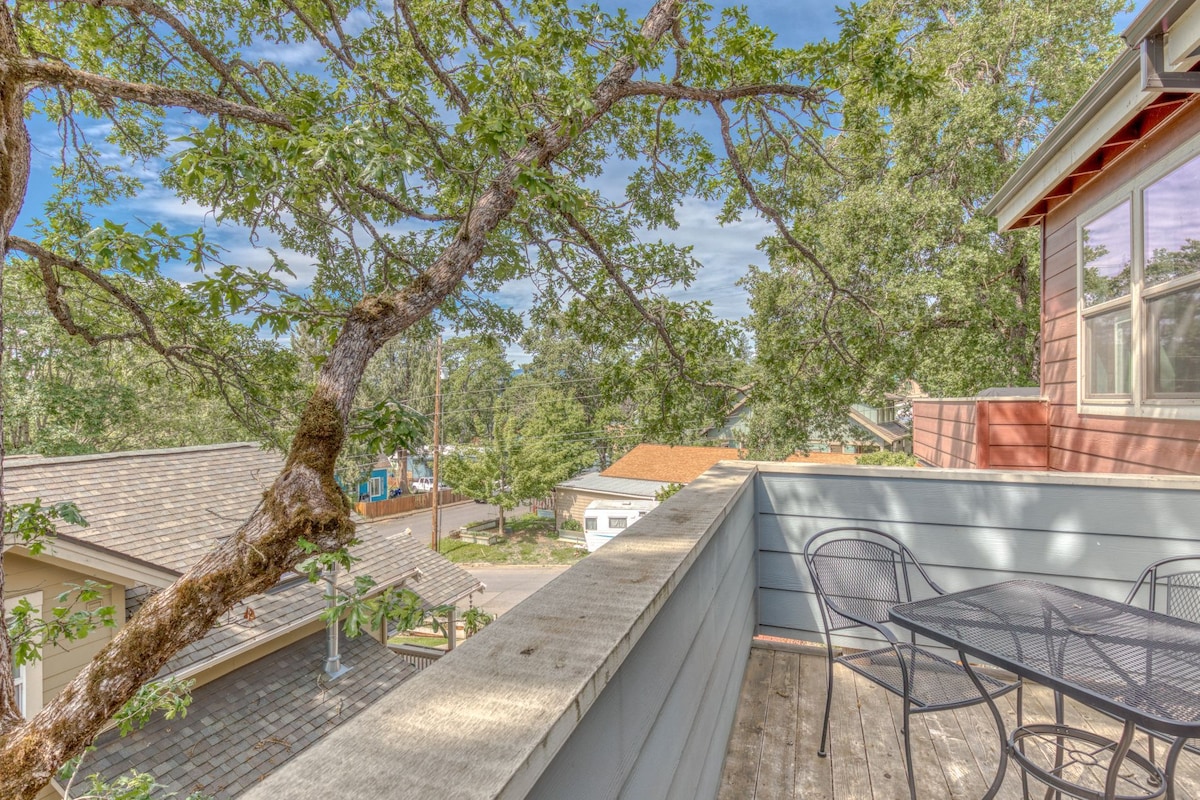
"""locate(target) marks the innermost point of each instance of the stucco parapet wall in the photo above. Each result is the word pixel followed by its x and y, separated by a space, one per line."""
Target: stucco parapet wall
pixel 488 718
pixel 1189 483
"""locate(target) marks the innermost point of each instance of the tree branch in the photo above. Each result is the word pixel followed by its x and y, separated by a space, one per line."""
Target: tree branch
pixel 183 31
pixel 42 73
pixel 304 502
pixel 451 87
pixel 680 92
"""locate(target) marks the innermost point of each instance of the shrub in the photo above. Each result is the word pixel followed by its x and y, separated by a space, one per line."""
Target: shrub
pixel 571 525
pixel 666 491
pixel 886 458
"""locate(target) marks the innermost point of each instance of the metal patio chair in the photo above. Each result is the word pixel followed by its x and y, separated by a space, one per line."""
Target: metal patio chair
pixel 859 574
pixel 1170 586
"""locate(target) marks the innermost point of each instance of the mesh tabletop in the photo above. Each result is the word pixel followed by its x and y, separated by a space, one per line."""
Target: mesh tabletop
pixel 1133 663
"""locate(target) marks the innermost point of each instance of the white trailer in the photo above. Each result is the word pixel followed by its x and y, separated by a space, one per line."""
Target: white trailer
pixel 604 519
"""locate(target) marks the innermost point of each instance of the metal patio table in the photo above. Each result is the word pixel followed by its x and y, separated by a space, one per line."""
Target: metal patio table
pixel 1137 665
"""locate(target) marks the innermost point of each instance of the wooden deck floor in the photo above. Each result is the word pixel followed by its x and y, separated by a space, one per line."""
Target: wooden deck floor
pixel 773 751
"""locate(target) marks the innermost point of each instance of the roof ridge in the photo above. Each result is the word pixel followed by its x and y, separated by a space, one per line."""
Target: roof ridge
pixel 38 461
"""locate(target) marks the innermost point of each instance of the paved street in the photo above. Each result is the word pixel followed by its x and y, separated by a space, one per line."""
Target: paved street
pixel 506 585
pixel 510 584
pixel 453 517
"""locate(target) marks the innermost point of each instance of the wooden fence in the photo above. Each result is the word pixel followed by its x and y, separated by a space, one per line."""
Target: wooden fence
pixel 405 503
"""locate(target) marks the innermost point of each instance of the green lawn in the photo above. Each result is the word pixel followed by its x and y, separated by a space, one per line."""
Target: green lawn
pixel 528 539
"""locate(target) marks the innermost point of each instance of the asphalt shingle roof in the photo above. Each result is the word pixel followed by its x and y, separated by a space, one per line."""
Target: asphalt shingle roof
pixel 442 582
pixel 245 724
pixel 166 507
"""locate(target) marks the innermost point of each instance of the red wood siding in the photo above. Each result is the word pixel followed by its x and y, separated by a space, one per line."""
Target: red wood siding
pixel 983 434
pixel 1093 443
pixel 944 433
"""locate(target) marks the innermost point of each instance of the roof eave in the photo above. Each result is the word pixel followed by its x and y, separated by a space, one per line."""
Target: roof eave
pixel 1014 199
pixel 1110 103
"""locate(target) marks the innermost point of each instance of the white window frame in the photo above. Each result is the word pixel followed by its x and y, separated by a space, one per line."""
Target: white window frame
pixel 1137 404
pixel 29 681
pixel 376 486
pixel 613 526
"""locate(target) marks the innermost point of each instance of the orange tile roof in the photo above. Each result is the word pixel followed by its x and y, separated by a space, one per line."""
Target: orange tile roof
pixel 663 462
pixel 823 458
pixel 680 464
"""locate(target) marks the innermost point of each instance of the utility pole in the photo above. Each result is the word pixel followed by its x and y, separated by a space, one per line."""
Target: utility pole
pixel 437 449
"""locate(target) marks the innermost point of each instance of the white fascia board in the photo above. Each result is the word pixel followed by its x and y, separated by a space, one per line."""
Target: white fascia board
pixel 1127 101
pixel 104 565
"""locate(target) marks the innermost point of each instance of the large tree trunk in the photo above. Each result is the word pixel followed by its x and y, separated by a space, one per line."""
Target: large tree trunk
pixel 304 502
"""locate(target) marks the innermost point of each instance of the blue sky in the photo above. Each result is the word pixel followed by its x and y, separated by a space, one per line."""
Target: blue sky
pixel 724 251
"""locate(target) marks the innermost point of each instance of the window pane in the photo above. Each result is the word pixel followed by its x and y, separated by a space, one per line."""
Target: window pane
pixel 1173 225
pixel 1175 344
pixel 616 522
pixel 1106 252
pixel 589 523
pixel 1108 353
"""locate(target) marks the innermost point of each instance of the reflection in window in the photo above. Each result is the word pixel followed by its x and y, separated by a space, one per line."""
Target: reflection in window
pixel 1175 343
pixel 1109 351
pixel 616 522
pixel 1172 220
pixel 1106 256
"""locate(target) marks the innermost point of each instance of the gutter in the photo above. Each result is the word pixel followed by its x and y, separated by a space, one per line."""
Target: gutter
pixel 1156 17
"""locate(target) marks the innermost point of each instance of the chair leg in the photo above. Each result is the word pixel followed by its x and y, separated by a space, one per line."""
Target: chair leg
pixel 821 751
pixel 908 762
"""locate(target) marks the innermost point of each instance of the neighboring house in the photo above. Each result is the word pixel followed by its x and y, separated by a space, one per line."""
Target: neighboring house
pixel 1115 190
pixel 264 689
pixel 647 468
pixel 867 425
pixel 734 428
pixel 376 486
pixel 572 497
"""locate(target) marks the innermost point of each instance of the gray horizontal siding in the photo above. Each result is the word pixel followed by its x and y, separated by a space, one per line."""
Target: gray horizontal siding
pixel 972 528
pixel 660 727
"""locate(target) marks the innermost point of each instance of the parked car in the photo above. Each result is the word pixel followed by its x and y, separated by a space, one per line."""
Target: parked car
pixel 426 485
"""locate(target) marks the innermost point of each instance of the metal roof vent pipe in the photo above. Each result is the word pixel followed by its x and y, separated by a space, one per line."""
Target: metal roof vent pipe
pixel 333 658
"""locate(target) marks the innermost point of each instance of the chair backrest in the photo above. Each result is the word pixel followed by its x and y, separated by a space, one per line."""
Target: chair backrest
pixel 861 571
pixel 1170 586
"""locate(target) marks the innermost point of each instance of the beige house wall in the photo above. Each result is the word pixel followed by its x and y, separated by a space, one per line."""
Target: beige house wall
pixel 23 575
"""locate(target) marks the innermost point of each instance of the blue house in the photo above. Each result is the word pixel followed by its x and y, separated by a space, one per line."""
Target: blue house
pixel 375 487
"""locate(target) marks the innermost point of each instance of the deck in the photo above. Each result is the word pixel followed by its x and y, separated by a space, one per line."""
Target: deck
pixel 773 750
